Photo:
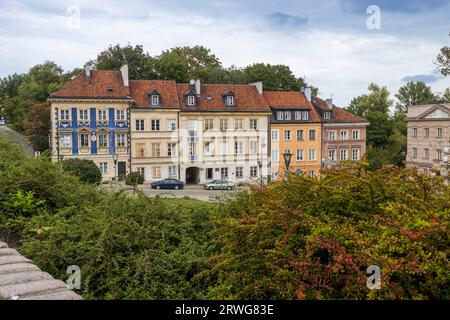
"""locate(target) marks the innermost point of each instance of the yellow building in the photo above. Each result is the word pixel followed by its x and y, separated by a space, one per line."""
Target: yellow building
pixel 295 129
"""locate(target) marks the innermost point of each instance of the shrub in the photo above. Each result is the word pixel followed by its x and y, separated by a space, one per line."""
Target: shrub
pixel 86 170
pixel 134 178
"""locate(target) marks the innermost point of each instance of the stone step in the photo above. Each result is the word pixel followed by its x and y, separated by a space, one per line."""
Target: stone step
pixel 61 295
pixel 13 259
pixel 16 291
pixel 18 267
pixel 8 252
pixel 23 277
pixel 3 245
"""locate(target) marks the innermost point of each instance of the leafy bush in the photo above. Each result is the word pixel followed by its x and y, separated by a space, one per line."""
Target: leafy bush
pixel 134 178
pixel 86 170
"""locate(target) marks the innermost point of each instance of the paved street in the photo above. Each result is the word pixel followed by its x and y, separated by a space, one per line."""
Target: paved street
pixel 14 136
pixel 195 192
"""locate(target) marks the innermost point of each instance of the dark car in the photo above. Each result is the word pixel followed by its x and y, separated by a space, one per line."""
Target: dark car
pixel 167 184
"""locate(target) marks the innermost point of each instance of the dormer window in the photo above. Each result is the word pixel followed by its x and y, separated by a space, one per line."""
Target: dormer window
pixel 327 115
pixel 229 101
pixel 191 101
pixel 228 98
pixel 305 115
pixel 154 98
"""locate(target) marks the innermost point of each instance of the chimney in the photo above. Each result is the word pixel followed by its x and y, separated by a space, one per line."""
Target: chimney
pixel 124 72
pixel 308 93
pixel 329 102
pixel 258 85
pixel 87 70
pixel 198 87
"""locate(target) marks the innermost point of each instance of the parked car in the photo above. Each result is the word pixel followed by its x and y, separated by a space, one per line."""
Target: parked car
pixel 167 184
pixel 220 184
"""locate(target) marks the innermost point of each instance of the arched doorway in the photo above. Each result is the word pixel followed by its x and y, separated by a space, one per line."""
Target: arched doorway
pixel 192 175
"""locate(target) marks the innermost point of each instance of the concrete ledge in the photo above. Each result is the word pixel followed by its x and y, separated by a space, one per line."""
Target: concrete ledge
pixel 22 280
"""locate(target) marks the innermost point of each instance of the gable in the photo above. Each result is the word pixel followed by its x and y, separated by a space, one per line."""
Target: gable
pixel 437 114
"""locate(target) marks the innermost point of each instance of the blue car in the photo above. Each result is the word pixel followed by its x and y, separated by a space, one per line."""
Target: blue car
pixel 167 184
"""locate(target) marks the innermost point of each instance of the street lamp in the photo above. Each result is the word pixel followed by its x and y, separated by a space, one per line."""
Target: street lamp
pixel 115 158
pixel 260 171
pixel 287 160
pixel 61 157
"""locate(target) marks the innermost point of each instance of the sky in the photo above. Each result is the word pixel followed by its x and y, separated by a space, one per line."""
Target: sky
pixel 339 46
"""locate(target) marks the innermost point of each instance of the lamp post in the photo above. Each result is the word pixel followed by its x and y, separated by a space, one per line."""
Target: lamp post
pixel 115 158
pixel 61 158
pixel 260 172
pixel 287 161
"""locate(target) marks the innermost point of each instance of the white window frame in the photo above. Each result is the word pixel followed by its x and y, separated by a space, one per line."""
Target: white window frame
pixel 275 134
pixel 356 154
pixel 191 100
pixel 356 134
pixel 253 124
pixel 171 124
pixel 154 100
pixel 287 115
pixel 280 115
pixel 140 125
pixel 287 135
pixel 238 124
pixel 332 154
pixel 172 171
pixel 120 140
pixel 253 171
pixel 312 154
pixel 239 172
pixel 103 166
pixel 305 115
pixel 120 114
pixel 155 125
pixel 332 135
pixel 300 156
pixel 83 112
pixel 229 101
pixel 64 114
pixel 275 155
pixel 253 147
pixel 102 115
pixel 343 154
pixel 343 135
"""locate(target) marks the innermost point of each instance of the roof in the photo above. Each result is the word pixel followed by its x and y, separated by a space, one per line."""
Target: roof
pixel 337 114
pixel 291 99
pixel 167 90
pixel 22 280
pixel 247 98
pixel 100 80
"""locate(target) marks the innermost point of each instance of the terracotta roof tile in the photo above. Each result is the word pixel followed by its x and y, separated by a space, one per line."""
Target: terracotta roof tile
pixel 246 96
pixel 337 114
pixel 100 81
pixel 166 88
pixel 291 99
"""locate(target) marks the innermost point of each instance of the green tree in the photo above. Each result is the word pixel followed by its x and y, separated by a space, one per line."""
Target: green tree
pixel 414 93
pixel 86 170
pixel 141 65
pixel 274 77
pixel 445 97
pixel 443 60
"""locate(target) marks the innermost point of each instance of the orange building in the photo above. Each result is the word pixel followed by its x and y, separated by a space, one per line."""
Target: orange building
pixel 295 129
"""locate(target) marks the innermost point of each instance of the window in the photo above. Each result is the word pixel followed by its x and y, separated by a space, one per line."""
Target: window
pixel 312 135
pixel 223 173
pixel 298 115
pixel 120 115
pixel 287 115
pixel 426 153
pixel 275 135
pixel 253 124
pixel 223 124
pixel 253 147
pixel 355 154
pixel 253 171
pixel 171 149
pixel 65 140
pixel 209 173
pixel 156 150
pixel 414 132
pixel 332 154
pixel 327 115
pixel 344 135
pixel 355 134
pixel 209 124
pixel 305 115
pixel 84 115
pixel 192 125
pixel 331 135
pixel 64 114
pixel 312 154
pixel 414 153
pixel 238 124
pixel 239 172
pixel 224 147
pixel 192 151
pixel 191 101
pixel 156 172
pixel 102 140
pixel 300 155
pixel 120 137
pixel 155 125
pixel 343 154
pixel 427 132
pixel 439 132
pixel 84 140
pixel 438 154
pixel 280 115
pixel 208 148
pixel 154 99
pixel 300 135
pixel 274 154
pixel 172 171
pixel 102 115
pixel 141 171
pixel 229 101
pixel 287 134
pixel 171 125
pixel 140 149
pixel 139 125
pixel 238 149
pixel 103 167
